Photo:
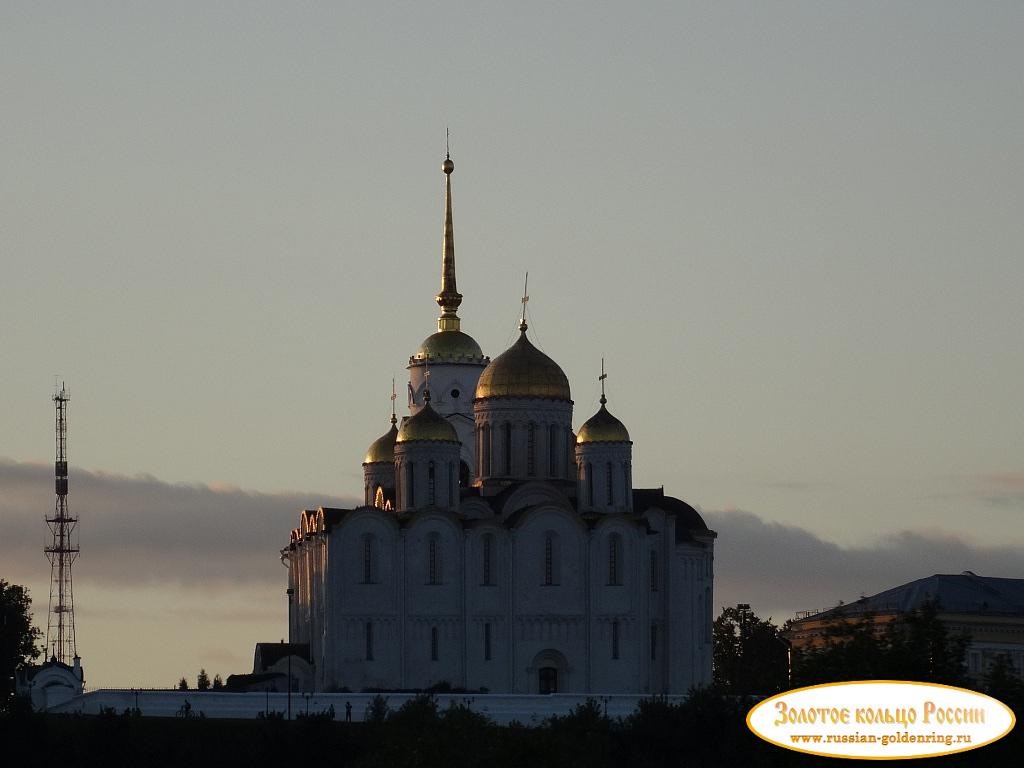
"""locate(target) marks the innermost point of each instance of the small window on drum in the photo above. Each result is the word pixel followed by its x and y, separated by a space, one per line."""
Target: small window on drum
pixel 455 394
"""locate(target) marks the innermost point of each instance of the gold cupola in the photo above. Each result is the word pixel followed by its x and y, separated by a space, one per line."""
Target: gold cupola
pixel 428 425
pixel 449 344
pixel 383 448
pixel 602 427
pixel 523 371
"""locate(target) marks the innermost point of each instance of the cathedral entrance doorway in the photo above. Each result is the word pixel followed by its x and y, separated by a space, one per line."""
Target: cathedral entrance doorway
pixel 547 680
pixel 550 672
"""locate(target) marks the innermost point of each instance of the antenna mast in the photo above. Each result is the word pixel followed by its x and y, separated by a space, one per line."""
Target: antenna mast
pixel 60 630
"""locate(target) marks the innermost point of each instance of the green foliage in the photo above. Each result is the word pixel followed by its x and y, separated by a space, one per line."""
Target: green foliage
pixel 750 657
pixel 18 638
pixel 912 646
pixel 377 711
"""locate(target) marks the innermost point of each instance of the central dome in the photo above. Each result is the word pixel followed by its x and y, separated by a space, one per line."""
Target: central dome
pixel 523 371
pixel 450 346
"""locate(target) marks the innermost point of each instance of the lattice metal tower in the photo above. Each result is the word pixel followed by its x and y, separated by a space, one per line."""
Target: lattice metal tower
pixel 60 630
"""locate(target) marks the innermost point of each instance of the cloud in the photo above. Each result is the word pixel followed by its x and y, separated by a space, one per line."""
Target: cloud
pixel 1004 490
pixel 142 530
pixel 781 569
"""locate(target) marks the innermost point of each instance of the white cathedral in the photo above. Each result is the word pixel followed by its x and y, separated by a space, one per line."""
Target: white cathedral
pixel 496 549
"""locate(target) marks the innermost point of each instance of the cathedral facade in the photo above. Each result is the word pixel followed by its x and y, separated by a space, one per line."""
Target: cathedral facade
pixel 497 549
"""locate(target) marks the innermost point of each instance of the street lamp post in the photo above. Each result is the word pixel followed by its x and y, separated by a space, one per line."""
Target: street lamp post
pixel 291 595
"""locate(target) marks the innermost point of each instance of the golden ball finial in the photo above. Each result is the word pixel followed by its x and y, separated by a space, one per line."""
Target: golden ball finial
pixel 448 166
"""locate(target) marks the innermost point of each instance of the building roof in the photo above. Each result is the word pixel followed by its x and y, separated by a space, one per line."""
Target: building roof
pixel 602 427
pixel 268 654
pixel 383 448
pixel 956 593
pixel 522 370
pixel 688 519
pixel 427 425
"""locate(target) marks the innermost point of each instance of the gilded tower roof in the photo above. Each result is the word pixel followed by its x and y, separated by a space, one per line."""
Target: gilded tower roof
pixel 523 371
pixel 449 344
pixel 428 424
pixel 602 427
pixel 383 448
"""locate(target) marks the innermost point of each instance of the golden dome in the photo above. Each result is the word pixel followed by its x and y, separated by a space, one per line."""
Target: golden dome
pixel 602 427
pixel 450 346
pixel 523 371
pixel 383 448
pixel 428 424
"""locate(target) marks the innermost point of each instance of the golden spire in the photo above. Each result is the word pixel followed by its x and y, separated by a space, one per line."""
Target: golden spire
pixel 449 298
pixel 601 378
pixel 525 299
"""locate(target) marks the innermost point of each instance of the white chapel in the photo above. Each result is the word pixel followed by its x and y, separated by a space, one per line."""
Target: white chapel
pixel 498 549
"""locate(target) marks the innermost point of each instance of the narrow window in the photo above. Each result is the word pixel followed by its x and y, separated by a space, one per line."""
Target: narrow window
pixel 433 644
pixel 553 451
pixel 508 448
pixel 610 485
pixel 378 498
pixel 589 470
pixel 368 564
pixel 549 559
pixel 615 640
pixel 369 641
pixel 488 543
pixel 410 481
pixel 485 450
pixel 654 571
pixel 433 560
pixel 487 642
pixel 453 492
pixel 615 559
pixel 431 484
pixel 531 446
pixel 654 642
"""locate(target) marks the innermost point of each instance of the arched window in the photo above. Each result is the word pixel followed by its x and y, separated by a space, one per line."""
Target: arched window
pixel 654 571
pixel 488 553
pixel 410 485
pixel 378 497
pixel 463 475
pixel 433 559
pixel 508 448
pixel 589 471
pixel 369 558
pixel 453 490
pixel 485 450
pixel 615 559
pixel 531 450
pixel 609 483
pixel 431 484
pixel 553 450
pixel 551 559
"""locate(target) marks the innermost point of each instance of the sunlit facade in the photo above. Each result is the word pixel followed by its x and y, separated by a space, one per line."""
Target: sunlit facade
pixel 498 549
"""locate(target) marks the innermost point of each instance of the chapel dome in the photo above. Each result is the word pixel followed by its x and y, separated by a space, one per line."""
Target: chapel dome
pixel 428 424
pixel 383 448
pixel 523 371
pixel 450 346
pixel 602 427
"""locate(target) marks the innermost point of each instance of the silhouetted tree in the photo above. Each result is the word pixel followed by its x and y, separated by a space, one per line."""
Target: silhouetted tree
pixel 202 681
pixel 749 654
pixel 183 684
pixel 18 637
pixel 218 682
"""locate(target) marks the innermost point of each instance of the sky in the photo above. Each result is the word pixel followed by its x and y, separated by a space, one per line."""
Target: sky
pixel 792 231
